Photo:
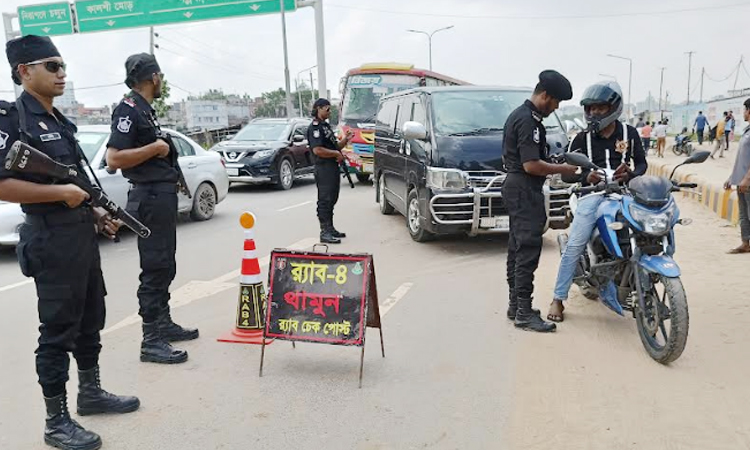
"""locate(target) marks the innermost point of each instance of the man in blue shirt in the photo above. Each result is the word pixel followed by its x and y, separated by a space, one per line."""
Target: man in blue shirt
pixel 700 124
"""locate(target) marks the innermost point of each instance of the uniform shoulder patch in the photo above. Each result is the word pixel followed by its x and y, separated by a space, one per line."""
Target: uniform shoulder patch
pixel 537 136
pixel 316 134
pixel 315 122
pixel 3 139
pixel 129 101
pixel 124 124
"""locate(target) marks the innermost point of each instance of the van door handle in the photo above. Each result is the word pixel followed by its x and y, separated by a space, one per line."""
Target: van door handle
pixel 192 165
pixel 401 146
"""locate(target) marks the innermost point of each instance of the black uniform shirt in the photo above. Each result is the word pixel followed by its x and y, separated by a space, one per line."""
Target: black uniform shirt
pixel 52 134
pixel 525 140
pixel 320 134
pixel 609 153
pixel 134 125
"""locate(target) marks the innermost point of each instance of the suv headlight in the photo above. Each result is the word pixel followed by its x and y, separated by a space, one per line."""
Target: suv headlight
pixel 263 154
pixel 657 224
pixel 446 179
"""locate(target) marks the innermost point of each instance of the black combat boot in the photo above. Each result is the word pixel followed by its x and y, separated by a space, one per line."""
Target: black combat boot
pixel 337 233
pixel 171 332
pixel 529 319
pixel 513 305
pixel 155 349
pixel 63 432
pixel 92 399
pixel 327 235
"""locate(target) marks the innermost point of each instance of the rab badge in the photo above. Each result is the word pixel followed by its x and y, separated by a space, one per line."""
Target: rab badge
pixel 316 134
pixel 621 147
pixel 537 137
pixel 124 124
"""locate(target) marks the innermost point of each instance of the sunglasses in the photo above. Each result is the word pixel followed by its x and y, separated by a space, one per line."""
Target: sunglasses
pixel 51 66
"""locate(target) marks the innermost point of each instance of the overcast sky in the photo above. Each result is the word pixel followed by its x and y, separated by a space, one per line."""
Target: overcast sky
pixel 494 42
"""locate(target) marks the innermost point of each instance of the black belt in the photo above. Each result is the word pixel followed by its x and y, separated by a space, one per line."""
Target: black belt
pixel 73 216
pixel 164 187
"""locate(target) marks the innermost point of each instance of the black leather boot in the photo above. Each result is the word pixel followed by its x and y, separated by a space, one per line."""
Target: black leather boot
pixel 171 332
pixel 327 235
pixel 512 304
pixel 63 432
pixel 337 233
pixel 530 319
pixel 155 349
pixel 92 399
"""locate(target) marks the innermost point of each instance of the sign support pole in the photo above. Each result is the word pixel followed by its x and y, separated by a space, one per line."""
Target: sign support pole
pixel 9 35
pixel 320 40
pixel 289 106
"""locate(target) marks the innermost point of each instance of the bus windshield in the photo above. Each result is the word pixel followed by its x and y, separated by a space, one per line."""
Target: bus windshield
pixel 363 93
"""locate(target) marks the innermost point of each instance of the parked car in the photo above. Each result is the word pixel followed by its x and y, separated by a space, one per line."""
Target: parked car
pixel 438 159
pixel 204 172
pixel 268 151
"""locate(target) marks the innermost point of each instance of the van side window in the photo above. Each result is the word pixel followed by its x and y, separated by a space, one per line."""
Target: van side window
pixel 386 119
pixel 418 113
pixel 404 113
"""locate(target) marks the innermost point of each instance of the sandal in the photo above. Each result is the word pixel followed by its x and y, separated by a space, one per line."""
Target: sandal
pixel 557 318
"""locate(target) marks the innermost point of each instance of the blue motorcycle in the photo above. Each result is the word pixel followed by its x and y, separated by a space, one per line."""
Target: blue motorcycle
pixel 629 263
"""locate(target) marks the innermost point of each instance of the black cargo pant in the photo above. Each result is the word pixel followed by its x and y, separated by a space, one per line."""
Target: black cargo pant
pixel 328 181
pixel 61 252
pixel 155 205
pixel 528 216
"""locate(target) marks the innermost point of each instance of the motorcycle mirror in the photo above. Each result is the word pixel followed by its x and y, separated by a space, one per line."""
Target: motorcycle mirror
pixel 698 158
pixel 577 159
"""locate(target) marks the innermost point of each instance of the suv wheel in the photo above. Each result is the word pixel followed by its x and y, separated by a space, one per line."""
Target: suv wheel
pixel 385 207
pixel 286 175
pixel 363 177
pixel 413 221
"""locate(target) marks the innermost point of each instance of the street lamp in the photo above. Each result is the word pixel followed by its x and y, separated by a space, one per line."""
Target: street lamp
pixel 299 94
pixel 630 80
pixel 606 75
pixel 429 38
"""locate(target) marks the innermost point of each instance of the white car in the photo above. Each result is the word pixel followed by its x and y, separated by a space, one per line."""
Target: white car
pixel 204 172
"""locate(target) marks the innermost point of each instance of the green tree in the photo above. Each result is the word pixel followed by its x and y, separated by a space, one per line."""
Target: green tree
pixel 160 104
pixel 273 104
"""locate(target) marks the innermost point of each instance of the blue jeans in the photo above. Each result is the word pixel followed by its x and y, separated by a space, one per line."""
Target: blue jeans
pixel 580 233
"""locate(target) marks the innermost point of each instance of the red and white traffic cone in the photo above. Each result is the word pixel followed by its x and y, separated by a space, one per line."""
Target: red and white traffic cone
pixel 251 305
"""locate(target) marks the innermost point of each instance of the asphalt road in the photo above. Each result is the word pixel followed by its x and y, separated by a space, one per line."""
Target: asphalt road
pixel 456 375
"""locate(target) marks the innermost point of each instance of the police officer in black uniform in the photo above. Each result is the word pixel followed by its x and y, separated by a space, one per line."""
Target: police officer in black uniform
pixel 58 245
pixel 327 150
pixel 152 169
pixel 525 154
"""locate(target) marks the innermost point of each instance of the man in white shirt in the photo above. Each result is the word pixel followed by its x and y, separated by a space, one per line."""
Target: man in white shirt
pixel 661 138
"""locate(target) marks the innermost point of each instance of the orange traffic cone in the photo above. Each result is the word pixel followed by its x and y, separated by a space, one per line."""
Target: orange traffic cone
pixel 252 301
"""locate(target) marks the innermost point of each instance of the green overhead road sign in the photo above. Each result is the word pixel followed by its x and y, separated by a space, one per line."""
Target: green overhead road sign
pixel 46 20
pixel 102 15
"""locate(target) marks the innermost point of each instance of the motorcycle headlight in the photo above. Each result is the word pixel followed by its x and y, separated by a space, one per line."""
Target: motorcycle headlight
pixel 263 154
pixel 446 179
pixel 655 223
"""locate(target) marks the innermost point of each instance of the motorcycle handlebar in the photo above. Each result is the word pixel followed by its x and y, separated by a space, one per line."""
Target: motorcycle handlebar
pixel 589 189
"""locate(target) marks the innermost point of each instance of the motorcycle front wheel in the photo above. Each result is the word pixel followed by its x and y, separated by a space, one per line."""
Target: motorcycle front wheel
pixel 676 150
pixel 663 326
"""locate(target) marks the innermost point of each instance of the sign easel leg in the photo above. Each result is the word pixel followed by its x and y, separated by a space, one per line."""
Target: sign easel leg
pixel 361 366
pixel 262 356
pixel 382 347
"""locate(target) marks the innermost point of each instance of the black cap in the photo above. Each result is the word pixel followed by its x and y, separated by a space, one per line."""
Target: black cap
pixel 140 67
pixel 28 48
pixel 319 103
pixel 556 85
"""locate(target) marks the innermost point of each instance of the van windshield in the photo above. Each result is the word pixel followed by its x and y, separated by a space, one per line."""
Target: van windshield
pixel 460 113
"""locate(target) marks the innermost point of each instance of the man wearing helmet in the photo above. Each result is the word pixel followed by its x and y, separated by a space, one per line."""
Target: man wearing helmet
pixel 609 144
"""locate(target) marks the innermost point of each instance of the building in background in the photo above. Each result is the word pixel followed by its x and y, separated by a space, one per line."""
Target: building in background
pixel 206 114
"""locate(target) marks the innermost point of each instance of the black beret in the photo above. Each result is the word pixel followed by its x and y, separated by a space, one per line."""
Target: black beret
pixel 556 85
pixel 140 67
pixel 319 103
pixel 29 48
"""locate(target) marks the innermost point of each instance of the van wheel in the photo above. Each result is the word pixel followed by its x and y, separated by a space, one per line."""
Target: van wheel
pixel 413 221
pixel 385 207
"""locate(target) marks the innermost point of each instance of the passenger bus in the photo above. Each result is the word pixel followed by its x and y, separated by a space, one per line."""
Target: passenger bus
pixel 361 90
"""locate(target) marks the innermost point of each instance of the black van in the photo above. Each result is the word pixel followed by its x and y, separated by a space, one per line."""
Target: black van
pixel 438 159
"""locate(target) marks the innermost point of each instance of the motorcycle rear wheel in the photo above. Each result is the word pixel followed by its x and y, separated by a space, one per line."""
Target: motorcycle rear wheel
pixel 676 150
pixel 664 339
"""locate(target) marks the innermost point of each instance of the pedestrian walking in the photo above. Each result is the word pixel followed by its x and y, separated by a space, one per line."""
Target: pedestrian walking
pixel 721 142
pixel 138 146
pixel 700 124
pixel 58 245
pixel 728 128
pixel 646 136
pixel 661 138
pixel 525 159
pixel 328 157
pixel 740 178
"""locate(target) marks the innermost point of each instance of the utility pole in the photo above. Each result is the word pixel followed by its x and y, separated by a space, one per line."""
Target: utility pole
pixel 630 81
pixel 312 92
pixel 703 75
pixel 151 39
pixel 690 67
pixel 661 87
pixel 289 105
pixel 739 66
